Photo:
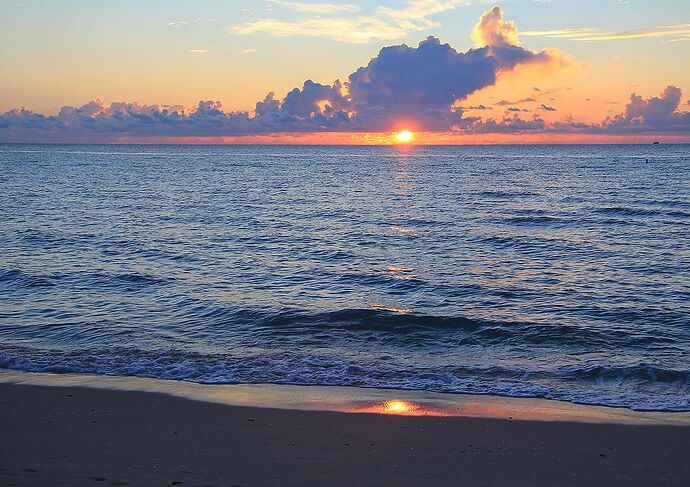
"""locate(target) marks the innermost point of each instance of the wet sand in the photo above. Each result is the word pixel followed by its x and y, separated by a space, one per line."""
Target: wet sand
pixel 82 436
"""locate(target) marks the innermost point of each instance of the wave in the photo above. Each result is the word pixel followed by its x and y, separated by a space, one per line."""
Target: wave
pixel 536 220
pixel 390 322
pixel 628 211
pixel 15 279
pixel 384 322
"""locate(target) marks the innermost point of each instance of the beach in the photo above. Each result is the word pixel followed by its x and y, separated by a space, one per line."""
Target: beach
pixel 84 436
pixel 362 244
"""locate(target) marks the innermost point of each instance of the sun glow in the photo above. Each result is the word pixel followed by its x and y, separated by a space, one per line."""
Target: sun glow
pixel 404 136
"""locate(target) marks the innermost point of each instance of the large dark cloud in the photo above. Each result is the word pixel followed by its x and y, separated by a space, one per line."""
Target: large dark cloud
pixel 418 84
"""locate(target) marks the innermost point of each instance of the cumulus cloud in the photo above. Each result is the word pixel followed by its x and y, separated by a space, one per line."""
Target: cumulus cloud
pixel 423 83
pixel 501 39
pixel 492 30
pixel 658 114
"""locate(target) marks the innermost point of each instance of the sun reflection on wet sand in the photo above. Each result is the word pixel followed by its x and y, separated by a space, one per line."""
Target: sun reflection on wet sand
pixel 398 407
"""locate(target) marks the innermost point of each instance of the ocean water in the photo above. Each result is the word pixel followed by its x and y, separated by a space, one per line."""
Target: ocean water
pixel 560 272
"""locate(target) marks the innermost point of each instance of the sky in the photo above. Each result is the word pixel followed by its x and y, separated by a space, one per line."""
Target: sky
pixel 274 71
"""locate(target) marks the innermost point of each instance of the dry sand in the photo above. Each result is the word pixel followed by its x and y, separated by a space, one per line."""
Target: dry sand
pixel 79 436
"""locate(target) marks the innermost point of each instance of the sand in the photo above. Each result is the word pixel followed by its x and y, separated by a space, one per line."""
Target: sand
pixel 81 436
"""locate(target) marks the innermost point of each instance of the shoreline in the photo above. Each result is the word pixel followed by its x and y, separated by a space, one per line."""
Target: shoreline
pixel 75 435
pixel 345 399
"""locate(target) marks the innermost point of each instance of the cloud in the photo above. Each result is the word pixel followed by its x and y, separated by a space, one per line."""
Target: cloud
pixel 507 125
pixel 670 32
pixel 422 84
pixel 657 114
pixel 476 107
pixel 491 30
pixel 547 108
pixel 501 38
pixel 316 8
pixel 536 97
pixel 506 103
pixel 336 22
pixel 304 110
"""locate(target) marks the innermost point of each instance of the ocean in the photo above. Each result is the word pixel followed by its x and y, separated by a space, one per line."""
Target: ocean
pixel 559 272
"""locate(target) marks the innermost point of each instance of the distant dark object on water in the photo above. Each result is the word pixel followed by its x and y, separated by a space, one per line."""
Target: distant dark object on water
pixel 656 143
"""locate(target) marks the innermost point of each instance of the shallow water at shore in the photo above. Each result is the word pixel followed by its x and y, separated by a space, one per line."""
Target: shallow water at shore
pixel 356 400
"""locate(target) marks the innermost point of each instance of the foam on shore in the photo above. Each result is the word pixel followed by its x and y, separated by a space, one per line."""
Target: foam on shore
pixel 357 400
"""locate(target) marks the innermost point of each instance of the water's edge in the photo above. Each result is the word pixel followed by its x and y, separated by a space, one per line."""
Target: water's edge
pixel 356 400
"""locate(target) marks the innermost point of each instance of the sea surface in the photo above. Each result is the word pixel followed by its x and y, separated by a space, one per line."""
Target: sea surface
pixel 559 272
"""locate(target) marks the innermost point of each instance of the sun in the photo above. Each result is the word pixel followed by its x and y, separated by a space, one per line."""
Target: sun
pixel 404 136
